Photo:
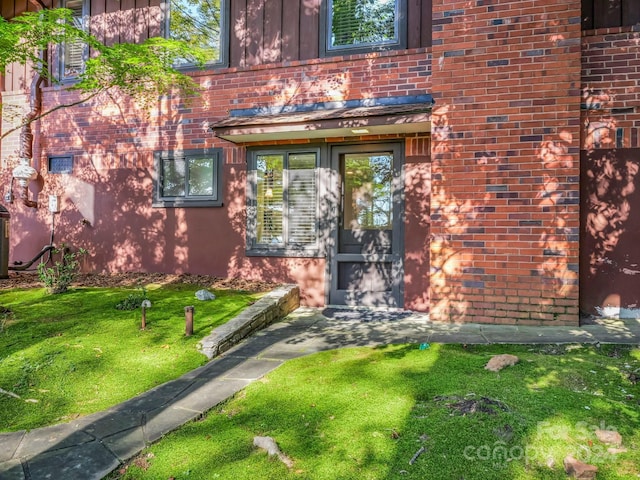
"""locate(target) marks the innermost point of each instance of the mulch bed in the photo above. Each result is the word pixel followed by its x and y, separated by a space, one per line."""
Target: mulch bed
pixel 133 279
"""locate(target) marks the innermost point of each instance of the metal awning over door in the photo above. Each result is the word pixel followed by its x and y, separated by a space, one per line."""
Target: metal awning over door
pixel 352 118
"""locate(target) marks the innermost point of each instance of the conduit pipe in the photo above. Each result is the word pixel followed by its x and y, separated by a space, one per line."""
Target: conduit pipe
pixel 25 172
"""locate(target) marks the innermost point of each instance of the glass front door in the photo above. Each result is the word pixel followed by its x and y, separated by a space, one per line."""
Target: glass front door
pixel 366 258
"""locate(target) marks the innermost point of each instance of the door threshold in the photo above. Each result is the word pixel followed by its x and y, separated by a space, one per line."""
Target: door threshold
pixel 365 308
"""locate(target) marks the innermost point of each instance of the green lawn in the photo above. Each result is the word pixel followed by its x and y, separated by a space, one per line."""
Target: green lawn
pixel 73 354
pixel 364 413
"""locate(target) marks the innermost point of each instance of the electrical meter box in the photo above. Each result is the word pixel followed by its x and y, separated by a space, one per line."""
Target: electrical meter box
pixel 54 203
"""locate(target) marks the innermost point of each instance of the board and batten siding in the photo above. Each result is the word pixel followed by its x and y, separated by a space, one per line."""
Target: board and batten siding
pixel 112 21
pixel 609 13
pixel 285 30
pixel 17 76
pixel 260 31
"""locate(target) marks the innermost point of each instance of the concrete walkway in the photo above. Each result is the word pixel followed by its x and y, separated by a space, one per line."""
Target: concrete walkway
pixel 92 446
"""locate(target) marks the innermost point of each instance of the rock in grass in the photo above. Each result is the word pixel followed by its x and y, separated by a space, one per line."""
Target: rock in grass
pixel 205 295
pixel 610 437
pixel 498 362
pixel 270 445
pixel 617 450
pixel 580 470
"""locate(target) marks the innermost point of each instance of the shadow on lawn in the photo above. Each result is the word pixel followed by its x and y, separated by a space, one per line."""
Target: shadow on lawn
pixel 553 407
pixel 70 344
pixel 543 393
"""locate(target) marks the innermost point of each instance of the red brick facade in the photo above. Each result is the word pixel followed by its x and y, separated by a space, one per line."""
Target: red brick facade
pixel 108 203
pixel 505 176
pixel 498 203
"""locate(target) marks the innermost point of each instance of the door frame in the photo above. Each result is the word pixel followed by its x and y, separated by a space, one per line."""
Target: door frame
pixel 396 257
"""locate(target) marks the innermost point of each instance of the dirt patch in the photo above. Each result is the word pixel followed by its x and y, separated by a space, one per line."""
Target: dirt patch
pixel 466 406
pixel 132 279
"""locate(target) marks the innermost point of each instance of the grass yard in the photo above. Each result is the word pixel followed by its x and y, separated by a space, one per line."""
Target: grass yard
pixel 73 354
pixel 364 414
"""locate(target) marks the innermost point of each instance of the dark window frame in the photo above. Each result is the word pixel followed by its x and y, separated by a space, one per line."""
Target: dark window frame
pixel 165 201
pixel 53 169
pixel 225 34
pixel 326 50
pixel 85 15
pixel 284 249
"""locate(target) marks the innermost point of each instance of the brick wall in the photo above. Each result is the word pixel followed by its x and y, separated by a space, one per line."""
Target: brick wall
pixel 505 176
pixel 113 127
pixel 107 202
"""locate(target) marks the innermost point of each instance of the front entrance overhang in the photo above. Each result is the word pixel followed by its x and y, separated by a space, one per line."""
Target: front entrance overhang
pixel 391 115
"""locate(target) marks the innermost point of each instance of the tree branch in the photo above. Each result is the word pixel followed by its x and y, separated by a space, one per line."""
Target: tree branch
pixel 57 107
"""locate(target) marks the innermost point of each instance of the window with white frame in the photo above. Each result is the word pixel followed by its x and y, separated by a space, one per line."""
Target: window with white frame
pixel 191 178
pixel 283 199
pixel 201 23
pixel 74 53
pixel 364 25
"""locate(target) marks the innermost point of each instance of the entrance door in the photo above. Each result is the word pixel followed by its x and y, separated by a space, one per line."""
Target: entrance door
pixel 366 253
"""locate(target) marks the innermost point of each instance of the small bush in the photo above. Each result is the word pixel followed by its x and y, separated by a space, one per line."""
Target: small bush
pixel 57 279
pixel 133 301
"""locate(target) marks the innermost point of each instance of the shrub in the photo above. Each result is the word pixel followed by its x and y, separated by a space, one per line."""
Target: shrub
pixel 134 300
pixel 57 278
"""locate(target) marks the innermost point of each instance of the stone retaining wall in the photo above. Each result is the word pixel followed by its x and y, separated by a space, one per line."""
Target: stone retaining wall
pixel 274 306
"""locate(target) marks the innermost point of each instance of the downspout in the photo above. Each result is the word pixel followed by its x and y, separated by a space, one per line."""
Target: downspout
pixel 25 172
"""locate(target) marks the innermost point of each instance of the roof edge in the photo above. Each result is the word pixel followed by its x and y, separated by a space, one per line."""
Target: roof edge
pixel 333 105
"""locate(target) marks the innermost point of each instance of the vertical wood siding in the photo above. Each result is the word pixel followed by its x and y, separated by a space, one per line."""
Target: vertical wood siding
pixel 261 31
pixel 112 21
pixel 418 23
pixel 266 31
pixel 17 76
pixel 290 31
pixel 609 13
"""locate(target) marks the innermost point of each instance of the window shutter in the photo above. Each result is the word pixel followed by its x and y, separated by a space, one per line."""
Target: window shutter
pixel 301 199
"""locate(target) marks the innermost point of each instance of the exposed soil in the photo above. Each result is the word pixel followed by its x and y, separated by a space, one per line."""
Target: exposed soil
pixel 30 280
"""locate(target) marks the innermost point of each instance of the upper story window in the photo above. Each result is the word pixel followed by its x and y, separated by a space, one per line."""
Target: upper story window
pixel 73 54
pixel 201 23
pixel 364 25
pixel 191 178
pixel 283 202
